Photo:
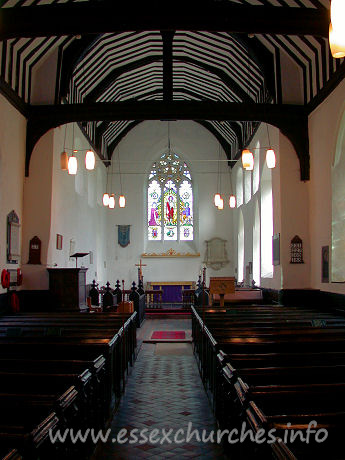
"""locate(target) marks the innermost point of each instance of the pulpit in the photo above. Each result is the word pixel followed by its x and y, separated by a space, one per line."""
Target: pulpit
pixel 68 286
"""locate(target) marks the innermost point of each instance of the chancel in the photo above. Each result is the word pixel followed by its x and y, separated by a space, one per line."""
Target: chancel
pixel 193 159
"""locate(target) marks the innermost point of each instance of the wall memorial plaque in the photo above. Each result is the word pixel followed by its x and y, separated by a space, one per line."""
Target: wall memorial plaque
pixel 216 256
pixel 13 242
pixel 35 251
pixel 296 250
pixel 59 239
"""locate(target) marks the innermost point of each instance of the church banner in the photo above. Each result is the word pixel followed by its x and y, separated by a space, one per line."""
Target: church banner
pixel 123 235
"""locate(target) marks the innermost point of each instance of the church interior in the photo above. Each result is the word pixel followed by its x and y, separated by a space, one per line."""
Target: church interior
pixel 172 246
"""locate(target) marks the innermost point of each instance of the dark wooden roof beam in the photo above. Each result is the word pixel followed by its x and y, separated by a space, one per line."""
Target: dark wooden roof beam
pixel 83 18
pixel 292 120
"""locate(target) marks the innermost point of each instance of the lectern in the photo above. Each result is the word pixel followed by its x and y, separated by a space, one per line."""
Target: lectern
pixel 68 286
pixel 221 286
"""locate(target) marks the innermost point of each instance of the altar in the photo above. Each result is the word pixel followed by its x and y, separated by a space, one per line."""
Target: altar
pixel 172 291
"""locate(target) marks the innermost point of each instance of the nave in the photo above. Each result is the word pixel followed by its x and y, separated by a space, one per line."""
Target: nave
pixel 160 390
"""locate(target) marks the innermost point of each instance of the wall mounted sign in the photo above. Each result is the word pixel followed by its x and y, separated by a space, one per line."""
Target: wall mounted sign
pixel 325 264
pixel 296 250
pixel 35 251
pixel 13 244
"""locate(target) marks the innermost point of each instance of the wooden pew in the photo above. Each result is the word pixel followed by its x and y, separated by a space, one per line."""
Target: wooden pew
pixel 286 423
pixel 80 326
pixel 34 444
pixel 40 355
pixel 96 402
pixel 277 360
pixel 11 454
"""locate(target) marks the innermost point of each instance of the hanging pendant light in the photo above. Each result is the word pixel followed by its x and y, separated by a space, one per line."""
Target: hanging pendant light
pixel 72 165
pixel 232 201
pixel 64 155
pixel 221 203
pixel 217 199
pixel 106 199
pixel 106 195
pixel 90 160
pixel 337 14
pixel 270 159
pixel 64 161
pixel 247 160
pixel 112 201
pixel 72 162
pixel 270 153
pixel 337 41
pixel 122 201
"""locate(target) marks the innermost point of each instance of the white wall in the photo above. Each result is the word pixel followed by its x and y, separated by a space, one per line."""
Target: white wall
pixel 59 203
pixel 324 125
pixel 248 209
pixel 37 211
pixel 12 164
pixel 138 150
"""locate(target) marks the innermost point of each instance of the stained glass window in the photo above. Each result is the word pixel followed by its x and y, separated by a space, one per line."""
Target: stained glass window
pixel 170 214
pixel 170 200
pixel 186 211
pixel 154 210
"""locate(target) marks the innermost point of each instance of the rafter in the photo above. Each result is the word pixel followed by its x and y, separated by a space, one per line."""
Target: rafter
pixel 83 18
pixel 292 120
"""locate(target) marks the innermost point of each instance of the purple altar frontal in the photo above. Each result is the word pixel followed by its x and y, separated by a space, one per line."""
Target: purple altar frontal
pixel 172 291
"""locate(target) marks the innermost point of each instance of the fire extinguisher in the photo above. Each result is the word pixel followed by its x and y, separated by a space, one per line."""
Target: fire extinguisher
pixel 5 279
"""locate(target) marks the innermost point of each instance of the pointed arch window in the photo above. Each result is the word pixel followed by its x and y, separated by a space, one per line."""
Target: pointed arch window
pixel 170 200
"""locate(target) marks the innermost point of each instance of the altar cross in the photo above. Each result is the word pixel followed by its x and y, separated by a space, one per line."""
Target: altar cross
pixel 140 265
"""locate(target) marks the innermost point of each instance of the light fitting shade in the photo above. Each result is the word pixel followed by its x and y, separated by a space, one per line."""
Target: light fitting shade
pixel 64 161
pixel 216 199
pixel 337 41
pixel 337 14
pixel 232 201
pixel 106 199
pixel 247 160
pixel 112 201
pixel 270 159
pixel 221 203
pixel 122 201
pixel 90 160
pixel 72 165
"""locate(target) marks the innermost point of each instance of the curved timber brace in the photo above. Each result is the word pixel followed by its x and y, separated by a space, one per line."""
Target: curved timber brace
pixel 292 120
pixel 297 132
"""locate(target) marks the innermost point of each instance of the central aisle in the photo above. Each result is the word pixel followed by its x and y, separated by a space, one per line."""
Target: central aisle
pixel 164 391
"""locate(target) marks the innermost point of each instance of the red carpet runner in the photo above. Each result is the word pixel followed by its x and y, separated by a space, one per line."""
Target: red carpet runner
pixel 169 335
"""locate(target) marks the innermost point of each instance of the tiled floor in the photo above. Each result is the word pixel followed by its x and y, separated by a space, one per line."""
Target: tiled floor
pixel 164 391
